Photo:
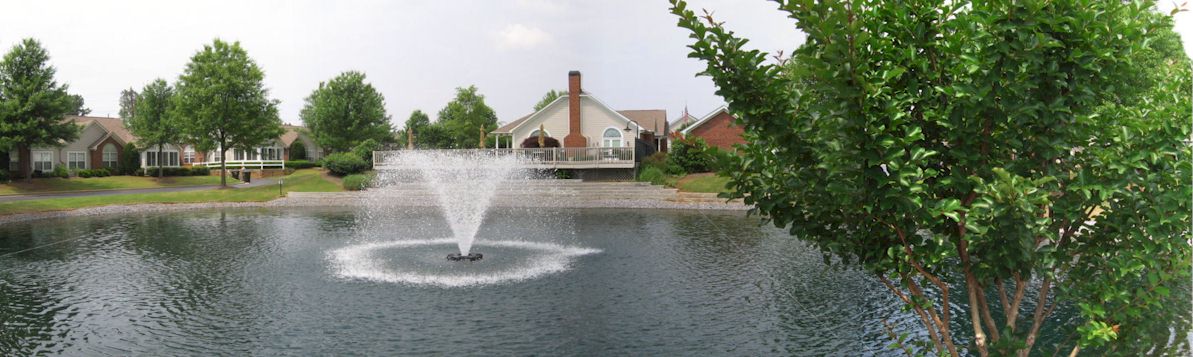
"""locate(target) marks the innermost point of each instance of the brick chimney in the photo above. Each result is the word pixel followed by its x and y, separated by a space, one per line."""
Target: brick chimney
pixel 574 139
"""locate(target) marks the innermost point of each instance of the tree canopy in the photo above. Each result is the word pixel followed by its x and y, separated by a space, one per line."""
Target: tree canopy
pixel 1001 149
pixel 222 96
pixel 128 103
pixel 345 111
pixel 32 103
pixel 549 97
pixel 464 117
pixel 154 122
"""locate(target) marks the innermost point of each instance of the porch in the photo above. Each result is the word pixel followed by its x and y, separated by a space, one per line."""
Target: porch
pixel 548 158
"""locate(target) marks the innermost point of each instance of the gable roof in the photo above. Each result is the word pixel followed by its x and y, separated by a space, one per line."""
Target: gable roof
pixel 705 119
pixel 114 127
pixel 507 128
pixel 683 120
pixel 290 133
pixel 652 120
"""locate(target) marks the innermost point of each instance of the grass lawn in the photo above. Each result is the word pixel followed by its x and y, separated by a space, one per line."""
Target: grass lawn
pixel 309 180
pixel 51 185
pixel 702 182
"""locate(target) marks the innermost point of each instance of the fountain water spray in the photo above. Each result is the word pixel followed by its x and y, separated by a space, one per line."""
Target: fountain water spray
pixel 464 183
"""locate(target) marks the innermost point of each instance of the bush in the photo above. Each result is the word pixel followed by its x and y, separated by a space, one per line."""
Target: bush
pixel 130 160
pixel 356 182
pixel 174 171
pixel 4 176
pixel 533 142
pixel 365 150
pixel 200 171
pixel 659 160
pixel 653 175
pixel 300 164
pixel 345 163
pixel 60 171
pixel 298 151
pixel 691 154
pixel 564 174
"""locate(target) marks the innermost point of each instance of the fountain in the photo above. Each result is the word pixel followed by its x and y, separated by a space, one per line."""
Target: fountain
pixel 464 183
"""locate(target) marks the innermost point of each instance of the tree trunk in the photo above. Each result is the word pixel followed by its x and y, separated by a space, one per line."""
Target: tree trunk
pixel 26 157
pixel 223 169
pixel 159 161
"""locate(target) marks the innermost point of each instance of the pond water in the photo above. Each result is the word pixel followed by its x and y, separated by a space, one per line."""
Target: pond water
pixel 344 281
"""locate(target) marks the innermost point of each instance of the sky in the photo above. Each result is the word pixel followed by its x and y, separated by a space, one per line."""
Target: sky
pixel 416 53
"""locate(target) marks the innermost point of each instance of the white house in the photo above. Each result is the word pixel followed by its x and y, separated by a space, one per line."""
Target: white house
pixel 581 120
pixel 269 155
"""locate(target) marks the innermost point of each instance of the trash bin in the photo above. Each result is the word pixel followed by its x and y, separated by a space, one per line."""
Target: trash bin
pixel 235 174
pixel 248 177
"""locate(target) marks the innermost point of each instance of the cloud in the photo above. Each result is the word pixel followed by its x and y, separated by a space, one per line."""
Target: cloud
pixel 519 36
pixel 550 6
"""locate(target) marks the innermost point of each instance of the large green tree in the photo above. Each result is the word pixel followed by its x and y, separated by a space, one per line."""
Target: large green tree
pixel 77 105
pixel 1001 157
pixel 464 117
pixel 343 112
pixel 222 99
pixel 154 122
pixel 549 97
pixel 32 103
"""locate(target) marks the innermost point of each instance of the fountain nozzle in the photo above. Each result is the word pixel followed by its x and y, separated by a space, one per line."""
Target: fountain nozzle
pixel 471 257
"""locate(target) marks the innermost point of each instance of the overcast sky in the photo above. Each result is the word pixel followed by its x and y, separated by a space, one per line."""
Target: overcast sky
pixel 416 53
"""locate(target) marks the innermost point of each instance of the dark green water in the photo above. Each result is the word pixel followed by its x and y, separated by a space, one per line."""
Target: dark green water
pixel 266 282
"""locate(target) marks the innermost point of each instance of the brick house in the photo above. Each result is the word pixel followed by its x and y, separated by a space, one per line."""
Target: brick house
pixel 100 144
pixel 717 129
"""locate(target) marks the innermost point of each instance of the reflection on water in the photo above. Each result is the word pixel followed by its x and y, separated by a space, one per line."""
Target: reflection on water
pixel 251 281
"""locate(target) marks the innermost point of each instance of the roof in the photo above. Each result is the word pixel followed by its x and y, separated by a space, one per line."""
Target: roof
pixel 705 119
pixel 686 119
pixel 290 133
pixel 654 120
pixel 114 126
pixel 505 129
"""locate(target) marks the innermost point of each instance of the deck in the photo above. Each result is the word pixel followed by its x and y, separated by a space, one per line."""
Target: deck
pixel 547 158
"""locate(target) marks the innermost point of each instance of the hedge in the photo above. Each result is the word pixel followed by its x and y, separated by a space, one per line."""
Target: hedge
pixel 345 163
pixel 85 173
pixel 300 164
pixel 356 182
pixel 174 171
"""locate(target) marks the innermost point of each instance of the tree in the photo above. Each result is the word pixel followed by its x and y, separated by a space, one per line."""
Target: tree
pixel 551 96
pixel 225 102
pixel 32 104
pixel 128 104
pixel 416 123
pixel 154 122
pixel 345 111
pixel 464 116
pixel 998 148
pixel 77 106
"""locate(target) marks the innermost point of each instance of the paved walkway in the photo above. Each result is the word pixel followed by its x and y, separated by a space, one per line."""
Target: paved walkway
pixel 41 196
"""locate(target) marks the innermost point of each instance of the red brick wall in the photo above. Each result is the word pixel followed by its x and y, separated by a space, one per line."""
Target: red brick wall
pixel 97 155
pixel 574 139
pixel 720 132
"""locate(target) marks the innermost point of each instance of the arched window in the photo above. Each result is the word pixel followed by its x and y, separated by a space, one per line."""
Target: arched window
pixel 110 157
pixel 611 138
pixel 535 134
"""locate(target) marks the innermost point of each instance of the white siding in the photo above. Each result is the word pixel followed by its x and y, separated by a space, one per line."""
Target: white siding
pixel 554 120
pixel 594 119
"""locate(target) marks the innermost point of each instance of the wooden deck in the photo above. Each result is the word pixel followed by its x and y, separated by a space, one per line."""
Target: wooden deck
pixel 547 158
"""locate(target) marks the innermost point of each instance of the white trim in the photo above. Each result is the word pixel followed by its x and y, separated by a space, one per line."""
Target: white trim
pixel 86 162
pixel 700 122
pixel 582 96
pixel 33 159
pixel 532 115
pixel 620 137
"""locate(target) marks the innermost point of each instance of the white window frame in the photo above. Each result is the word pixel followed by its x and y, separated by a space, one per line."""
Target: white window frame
pixel 70 160
pixel 188 155
pixel 546 133
pixel 115 159
pixel 34 156
pixel 172 157
pixel 606 141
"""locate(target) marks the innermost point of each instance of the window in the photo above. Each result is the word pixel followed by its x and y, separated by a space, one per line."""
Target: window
pixel 188 156
pixel 239 154
pixel 535 134
pixel 111 157
pixel 168 158
pixel 76 160
pixel 43 161
pixel 215 156
pixel 271 153
pixel 611 138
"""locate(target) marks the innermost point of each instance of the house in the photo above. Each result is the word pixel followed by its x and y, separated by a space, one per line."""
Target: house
pixel 683 121
pixel 276 150
pixel 717 129
pixel 580 120
pixel 100 144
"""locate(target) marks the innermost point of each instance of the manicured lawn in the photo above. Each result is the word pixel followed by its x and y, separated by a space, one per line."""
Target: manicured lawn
pixel 50 185
pixel 703 182
pixel 309 180
pixel 255 194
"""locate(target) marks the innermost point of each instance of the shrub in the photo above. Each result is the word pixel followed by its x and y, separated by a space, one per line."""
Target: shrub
pixel 200 171
pixel 660 161
pixel 564 174
pixel 533 142
pixel 174 171
pixel 84 173
pixel 60 171
pixel 298 151
pixel 653 175
pixel 4 176
pixel 130 160
pixel 345 163
pixel 300 164
pixel 356 182
pixel 691 155
pixel 365 150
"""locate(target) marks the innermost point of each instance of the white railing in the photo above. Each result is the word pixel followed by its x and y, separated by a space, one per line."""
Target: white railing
pixel 552 157
pixel 245 164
